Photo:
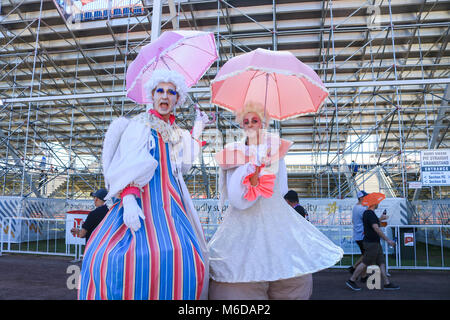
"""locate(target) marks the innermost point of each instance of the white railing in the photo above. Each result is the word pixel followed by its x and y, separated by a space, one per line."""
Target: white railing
pixel 429 248
pixel 417 246
pixel 36 236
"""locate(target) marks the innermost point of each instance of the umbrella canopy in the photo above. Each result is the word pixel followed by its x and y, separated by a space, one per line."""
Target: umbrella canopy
pixel 278 80
pixel 373 199
pixel 190 53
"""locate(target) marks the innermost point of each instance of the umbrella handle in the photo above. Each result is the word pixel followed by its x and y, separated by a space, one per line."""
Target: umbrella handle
pixel 213 115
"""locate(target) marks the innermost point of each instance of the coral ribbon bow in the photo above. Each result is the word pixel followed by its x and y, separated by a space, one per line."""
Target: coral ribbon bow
pixel 264 187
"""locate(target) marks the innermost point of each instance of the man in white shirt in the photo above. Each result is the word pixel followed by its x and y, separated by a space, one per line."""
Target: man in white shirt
pixel 358 230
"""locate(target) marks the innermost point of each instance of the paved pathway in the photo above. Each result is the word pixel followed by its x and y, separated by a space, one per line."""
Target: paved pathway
pixel 29 277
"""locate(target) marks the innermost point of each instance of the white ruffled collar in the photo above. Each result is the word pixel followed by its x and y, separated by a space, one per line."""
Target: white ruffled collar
pixel 169 132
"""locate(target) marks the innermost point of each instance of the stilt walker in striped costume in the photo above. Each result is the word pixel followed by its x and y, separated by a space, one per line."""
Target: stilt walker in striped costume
pixel 151 244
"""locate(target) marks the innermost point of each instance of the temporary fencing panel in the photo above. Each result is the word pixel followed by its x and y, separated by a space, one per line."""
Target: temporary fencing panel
pixel 39 226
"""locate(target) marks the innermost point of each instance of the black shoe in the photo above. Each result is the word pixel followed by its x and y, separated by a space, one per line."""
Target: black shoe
pixel 391 286
pixel 364 279
pixel 351 269
pixel 352 285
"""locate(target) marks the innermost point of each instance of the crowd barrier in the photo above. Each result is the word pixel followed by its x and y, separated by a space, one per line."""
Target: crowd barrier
pixel 417 246
pixel 421 247
pixel 25 230
pixel 42 236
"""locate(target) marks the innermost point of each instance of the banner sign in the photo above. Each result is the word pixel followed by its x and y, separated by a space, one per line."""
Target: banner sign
pixel 415 185
pixel 435 167
pixel 408 239
pixel 75 219
pixel 76 11
pixel 16 211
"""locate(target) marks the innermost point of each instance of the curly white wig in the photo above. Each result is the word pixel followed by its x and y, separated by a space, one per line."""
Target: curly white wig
pixel 163 75
pixel 255 107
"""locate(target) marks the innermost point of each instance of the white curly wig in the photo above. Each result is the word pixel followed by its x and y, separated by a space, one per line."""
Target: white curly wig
pixel 163 75
pixel 255 107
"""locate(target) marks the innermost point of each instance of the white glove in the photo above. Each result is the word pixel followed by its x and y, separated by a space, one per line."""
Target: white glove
pixel 201 119
pixel 132 212
pixel 266 160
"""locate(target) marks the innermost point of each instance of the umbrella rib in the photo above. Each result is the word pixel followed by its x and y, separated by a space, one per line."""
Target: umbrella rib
pixel 250 81
pixel 181 68
pixel 162 59
pixel 263 72
pixel 278 92
pixel 190 45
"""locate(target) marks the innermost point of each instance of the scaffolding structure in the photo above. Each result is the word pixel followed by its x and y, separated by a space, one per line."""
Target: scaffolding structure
pixel 384 62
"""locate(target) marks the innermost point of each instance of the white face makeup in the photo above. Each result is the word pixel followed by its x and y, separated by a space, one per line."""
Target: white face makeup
pixel 252 121
pixel 165 97
pixel 252 125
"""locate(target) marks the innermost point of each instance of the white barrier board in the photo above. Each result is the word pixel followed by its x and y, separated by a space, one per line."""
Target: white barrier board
pixel 74 220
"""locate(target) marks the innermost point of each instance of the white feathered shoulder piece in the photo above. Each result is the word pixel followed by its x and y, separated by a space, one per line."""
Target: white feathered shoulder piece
pixel 111 142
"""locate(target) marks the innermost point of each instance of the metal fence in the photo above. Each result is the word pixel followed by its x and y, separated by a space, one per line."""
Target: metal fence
pixel 417 246
pixel 41 236
pixel 430 212
pixel 422 247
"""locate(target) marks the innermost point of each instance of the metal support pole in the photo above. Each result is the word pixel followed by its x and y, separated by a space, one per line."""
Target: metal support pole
pixel 386 254
pixel 399 114
pixel 126 56
pixel 1 236
pixel 442 246
pixel 31 94
pixel 9 233
pixel 156 19
pixel 173 14
pixel 335 102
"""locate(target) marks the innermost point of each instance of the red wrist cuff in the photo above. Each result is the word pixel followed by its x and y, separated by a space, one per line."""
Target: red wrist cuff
pixel 130 190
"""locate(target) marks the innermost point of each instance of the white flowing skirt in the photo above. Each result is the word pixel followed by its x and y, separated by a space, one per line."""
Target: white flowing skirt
pixel 269 241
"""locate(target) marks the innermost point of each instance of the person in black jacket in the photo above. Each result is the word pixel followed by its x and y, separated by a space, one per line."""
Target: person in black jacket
pixel 94 217
pixel 373 252
pixel 291 198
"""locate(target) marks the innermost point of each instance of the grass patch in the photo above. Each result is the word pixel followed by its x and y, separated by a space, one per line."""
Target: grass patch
pixel 50 246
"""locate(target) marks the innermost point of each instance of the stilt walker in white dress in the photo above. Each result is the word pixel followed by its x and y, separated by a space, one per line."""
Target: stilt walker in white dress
pixel 263 249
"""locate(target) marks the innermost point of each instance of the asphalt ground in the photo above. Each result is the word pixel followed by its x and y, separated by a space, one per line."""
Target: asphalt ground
pixel 32 277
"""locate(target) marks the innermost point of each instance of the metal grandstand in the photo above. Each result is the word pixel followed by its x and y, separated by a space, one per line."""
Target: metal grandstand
pixel 385 64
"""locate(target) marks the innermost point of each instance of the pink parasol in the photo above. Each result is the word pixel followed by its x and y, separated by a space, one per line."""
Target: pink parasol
pixel 278 80
pixel 190 53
